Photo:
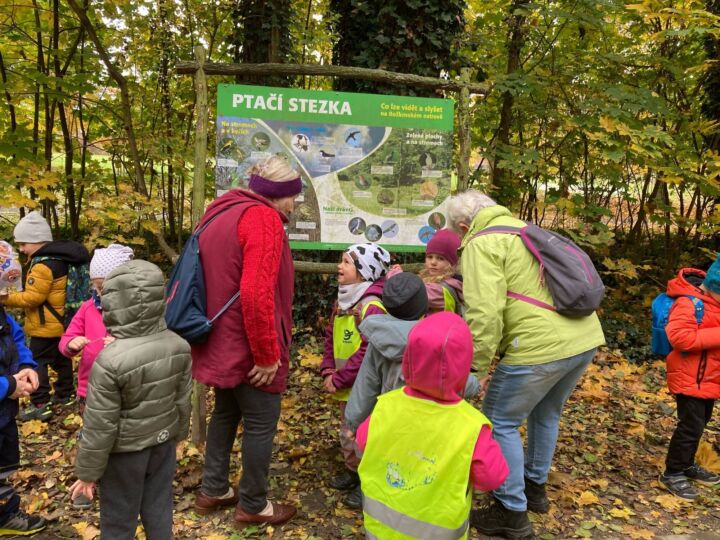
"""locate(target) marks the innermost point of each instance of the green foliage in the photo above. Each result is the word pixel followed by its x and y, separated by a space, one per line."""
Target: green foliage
pixel 410 36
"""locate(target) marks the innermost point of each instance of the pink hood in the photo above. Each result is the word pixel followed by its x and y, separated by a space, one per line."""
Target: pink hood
pixel 438 356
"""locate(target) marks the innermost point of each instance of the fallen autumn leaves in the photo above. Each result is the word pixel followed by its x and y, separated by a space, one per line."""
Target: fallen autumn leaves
pixel 611 448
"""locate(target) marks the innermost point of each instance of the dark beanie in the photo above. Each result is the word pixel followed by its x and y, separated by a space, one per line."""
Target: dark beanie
pixel 404 296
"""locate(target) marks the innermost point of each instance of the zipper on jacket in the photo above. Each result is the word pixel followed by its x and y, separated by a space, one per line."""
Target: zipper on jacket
pixel 702 366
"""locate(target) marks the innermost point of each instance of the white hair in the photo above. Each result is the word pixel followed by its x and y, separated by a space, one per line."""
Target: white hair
pixel 464 206
pixel 275 169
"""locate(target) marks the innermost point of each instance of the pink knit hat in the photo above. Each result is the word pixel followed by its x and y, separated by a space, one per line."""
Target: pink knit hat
pixel 444 243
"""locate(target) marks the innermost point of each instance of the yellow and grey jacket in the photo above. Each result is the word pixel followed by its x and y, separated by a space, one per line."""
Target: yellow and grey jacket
pixel 45 284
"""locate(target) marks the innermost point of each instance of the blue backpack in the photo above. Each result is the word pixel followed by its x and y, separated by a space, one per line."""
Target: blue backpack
pixel 660 314
pixel 186 305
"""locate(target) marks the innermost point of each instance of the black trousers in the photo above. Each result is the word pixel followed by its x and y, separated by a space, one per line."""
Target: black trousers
pixel 46 353
pixel 693 415
pixel 138 483
pixel 260 412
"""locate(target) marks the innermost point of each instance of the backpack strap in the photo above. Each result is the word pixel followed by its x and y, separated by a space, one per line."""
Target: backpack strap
pixel 520 231
pixel 46 304
pixel 197 233
pixel 699 308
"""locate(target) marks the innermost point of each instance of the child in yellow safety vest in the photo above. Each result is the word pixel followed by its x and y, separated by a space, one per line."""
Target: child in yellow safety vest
pixel 424 447
pixel 361 277
pixel 443 283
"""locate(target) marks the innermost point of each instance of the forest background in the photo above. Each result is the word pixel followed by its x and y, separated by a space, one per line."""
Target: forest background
pixel 603 122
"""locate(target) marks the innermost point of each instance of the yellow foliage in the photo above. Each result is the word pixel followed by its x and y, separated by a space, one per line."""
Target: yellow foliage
pixel 622 513
pixel 586 498
pixel 707 457
pixel 33 427
pixel 309 358
pixel 669 502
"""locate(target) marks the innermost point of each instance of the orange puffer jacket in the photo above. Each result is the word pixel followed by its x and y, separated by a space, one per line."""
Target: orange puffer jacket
pixel 693 366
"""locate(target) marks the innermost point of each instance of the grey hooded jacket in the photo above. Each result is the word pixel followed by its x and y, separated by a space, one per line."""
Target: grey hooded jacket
pixel 139 389
pixel 381 368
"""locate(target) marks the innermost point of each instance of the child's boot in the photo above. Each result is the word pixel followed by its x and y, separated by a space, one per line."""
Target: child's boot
pixel 346 481
pixel 21 524
pixel 354 498
pixel 496 520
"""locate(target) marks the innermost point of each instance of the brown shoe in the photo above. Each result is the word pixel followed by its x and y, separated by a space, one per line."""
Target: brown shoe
pixel 205 504
pixel 281 514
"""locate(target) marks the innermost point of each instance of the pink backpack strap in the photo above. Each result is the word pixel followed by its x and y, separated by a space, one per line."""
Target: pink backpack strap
pixel 530 300
pixel 517 231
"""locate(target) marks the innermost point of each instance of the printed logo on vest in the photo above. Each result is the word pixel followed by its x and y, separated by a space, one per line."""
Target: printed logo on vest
pixel 347 335
pixel 163 436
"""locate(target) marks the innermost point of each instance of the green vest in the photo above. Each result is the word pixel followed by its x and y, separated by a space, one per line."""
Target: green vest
pixel 347 340
pixel 415 477
pixel 449 299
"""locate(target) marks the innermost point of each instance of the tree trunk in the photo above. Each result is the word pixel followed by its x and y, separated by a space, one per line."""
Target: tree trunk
pixel 504 187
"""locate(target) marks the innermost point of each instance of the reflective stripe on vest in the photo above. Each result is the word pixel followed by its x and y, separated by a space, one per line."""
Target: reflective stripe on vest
pixel 418 476
pixel 409 526
pixel 347 341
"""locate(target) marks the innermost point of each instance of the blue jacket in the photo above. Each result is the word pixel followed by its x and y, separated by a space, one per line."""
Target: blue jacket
pixel 10 364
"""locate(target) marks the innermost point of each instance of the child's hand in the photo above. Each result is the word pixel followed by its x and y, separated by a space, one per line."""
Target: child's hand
pixel 29 376
pixel 107 340
pixel 81 487
pixel 77 344
pixel 328 384
pixel 22 388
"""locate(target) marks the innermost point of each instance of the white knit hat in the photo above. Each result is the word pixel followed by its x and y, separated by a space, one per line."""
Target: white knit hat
pixel 32 229
pixel 105 260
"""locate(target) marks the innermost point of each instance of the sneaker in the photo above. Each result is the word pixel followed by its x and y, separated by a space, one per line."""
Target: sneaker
pixel 22 524
pixel 62 401
pixel 41 411
pixel 81 502
pixel 537 500
pixel 353 499
pixel 702 476
pixel 496 520
pixel 346 481
pixel 678 485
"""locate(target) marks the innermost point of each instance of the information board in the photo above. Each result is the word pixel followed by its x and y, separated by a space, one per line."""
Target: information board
pixel 374 167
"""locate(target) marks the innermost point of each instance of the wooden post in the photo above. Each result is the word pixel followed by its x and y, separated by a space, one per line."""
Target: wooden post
pixel 463 168
pixel 199 402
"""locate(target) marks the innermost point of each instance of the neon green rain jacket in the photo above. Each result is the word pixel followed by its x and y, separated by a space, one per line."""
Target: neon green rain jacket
pixel 521 333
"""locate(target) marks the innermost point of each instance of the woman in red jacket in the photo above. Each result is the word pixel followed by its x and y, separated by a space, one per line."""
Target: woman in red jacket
pixel 693 374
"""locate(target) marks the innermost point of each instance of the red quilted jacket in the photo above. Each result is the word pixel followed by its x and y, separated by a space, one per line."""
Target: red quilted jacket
pixel 693 366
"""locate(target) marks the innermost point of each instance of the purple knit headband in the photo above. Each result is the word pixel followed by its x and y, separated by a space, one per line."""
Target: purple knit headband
pixel 275 190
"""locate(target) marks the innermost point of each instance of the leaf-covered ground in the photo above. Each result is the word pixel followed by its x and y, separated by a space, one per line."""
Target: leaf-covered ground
pixel 603 484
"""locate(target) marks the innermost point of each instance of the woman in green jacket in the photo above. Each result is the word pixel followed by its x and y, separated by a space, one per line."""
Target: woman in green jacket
pixel 542 355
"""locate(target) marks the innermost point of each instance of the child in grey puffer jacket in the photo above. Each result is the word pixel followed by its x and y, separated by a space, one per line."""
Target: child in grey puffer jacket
pixel 406 301
pixel 138 407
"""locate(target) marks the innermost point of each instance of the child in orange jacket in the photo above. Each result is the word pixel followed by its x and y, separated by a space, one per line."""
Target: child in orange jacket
pixel 693 374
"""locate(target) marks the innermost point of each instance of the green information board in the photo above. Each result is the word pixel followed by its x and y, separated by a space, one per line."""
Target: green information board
pixel 374 167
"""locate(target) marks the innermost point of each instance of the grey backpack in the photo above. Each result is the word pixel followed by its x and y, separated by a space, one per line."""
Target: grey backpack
pixel 574 284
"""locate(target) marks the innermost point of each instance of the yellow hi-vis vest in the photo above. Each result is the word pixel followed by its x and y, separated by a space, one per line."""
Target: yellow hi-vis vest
pixel 449 299
pixel 347 340
pixel 415 471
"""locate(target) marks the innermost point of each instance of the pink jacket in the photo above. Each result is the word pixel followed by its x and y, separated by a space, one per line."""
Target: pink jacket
pixel 436 365
pixel 87 322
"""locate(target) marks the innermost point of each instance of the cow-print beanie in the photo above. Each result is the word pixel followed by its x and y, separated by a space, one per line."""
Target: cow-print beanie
pixel 371 260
